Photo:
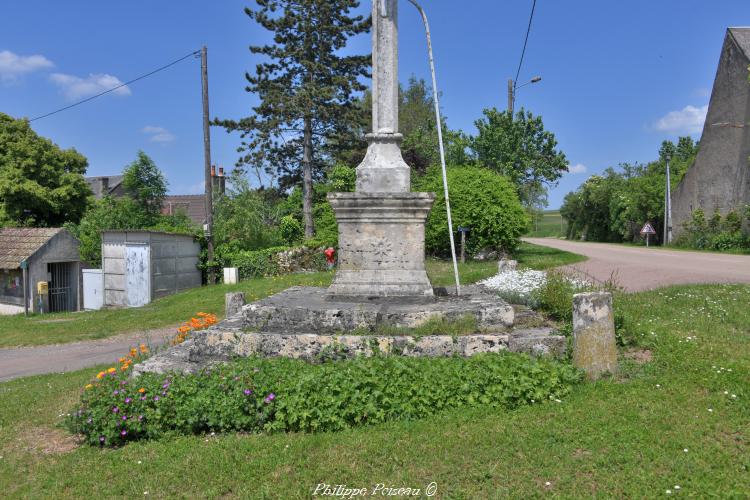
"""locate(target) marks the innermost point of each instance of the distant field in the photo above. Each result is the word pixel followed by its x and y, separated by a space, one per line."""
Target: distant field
pixel 550 224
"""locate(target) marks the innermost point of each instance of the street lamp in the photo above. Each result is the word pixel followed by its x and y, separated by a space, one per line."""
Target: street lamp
pixel 512 88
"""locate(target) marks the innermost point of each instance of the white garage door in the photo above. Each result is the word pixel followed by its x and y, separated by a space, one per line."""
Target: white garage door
pixel 137 275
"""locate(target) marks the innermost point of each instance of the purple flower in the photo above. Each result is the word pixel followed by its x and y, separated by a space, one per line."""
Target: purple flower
pixel 247 392
pixel 115 409
pixel 116 393
pixel 140 418
pixel 101 439
pixel 165 386
pixel 124 433
pixel 270 398
pixel 163 393
pixel 124 382
pixel 156 398
pixel 128 400
pixel 124 417
pixel 143 398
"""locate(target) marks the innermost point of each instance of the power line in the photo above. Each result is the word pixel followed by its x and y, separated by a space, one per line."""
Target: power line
pixel 525 41
pixel 195 52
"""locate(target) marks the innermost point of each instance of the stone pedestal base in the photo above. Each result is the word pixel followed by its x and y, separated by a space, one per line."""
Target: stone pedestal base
pixel 381 244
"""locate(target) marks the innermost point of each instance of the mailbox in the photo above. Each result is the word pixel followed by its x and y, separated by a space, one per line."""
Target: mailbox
pixel 42 288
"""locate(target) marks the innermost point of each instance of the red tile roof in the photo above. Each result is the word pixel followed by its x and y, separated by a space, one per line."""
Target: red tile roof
pixel 19 243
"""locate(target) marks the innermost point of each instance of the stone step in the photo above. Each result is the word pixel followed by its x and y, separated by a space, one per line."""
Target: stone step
pixel 312 310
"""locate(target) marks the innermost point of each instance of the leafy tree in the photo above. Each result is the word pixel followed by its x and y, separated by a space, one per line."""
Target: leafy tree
pixel 419 148
pixel 121 213
pixel 614 206
pixel 40 184
pixel 246 218
pixel 306 87
pixel 145 184
pixel 481 199
pixel 519 148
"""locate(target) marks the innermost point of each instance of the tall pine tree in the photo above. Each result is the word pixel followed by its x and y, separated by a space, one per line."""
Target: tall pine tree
pixel 307 89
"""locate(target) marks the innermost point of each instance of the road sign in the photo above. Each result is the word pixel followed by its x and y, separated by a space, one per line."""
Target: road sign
pixel 648 230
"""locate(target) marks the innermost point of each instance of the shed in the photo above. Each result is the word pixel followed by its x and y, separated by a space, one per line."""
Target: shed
pixel 30 256
pixel 140 266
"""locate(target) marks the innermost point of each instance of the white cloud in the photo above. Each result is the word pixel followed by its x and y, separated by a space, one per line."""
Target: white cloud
pixel 158 134
pixel 12 65
pixel 578 168
pixel 688 120
pixel 74 87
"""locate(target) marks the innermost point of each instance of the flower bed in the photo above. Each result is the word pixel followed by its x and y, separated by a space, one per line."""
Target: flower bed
pixel 525 286
pixel 282 394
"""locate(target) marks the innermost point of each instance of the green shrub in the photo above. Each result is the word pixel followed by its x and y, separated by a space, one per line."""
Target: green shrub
pixel 479 198
pixel 290 229
pixel 253 395
pixel 555 297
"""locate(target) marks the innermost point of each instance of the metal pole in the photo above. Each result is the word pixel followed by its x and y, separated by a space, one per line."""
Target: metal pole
pixel 510 96
pixel 668 208
pixel 207 166
pixel 440 141
pixel 25 278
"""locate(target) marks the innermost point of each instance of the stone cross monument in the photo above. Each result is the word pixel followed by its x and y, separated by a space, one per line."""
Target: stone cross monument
pixel 381 225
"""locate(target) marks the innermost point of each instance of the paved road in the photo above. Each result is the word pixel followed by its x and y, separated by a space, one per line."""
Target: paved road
pixel 60 358
pixel 639 268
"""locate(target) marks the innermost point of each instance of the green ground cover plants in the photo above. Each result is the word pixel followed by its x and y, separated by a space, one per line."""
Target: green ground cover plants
pixel 254 395
pixel 677 414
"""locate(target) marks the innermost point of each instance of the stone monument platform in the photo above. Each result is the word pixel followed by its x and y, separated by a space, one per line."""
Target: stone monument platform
pixel 308 323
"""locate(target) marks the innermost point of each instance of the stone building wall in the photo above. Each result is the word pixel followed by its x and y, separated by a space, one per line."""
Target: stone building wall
pixel 719 180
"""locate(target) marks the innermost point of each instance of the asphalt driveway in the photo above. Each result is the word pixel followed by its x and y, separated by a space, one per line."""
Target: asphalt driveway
pixel 640 268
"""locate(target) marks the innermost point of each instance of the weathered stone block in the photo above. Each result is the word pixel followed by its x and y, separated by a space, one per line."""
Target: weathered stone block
pixel 233 304
pixel 381 244
pixel 505 265
pixel 594 343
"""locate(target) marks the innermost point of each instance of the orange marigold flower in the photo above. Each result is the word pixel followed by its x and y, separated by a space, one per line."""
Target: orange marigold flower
pixel 142 390
pixel 124 367
pixel 143 348
pixel 89 386
pixel 121 360
pixel 100 375
pixel 202 314
pixel 111 370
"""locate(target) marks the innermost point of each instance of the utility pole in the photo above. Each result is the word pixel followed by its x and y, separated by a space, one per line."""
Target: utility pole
pixel 510 96
pixel 668 206
pixel 209 205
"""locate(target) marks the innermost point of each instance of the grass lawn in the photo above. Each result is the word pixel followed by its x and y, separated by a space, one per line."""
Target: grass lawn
pixel 172 310
pixel 550 224
pixel 670 422
pixel 538 257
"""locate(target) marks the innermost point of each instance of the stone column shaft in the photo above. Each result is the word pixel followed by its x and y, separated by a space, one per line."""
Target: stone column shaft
pixel 385 67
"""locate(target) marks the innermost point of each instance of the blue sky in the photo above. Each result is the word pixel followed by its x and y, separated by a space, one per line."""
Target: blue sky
pixel 618 77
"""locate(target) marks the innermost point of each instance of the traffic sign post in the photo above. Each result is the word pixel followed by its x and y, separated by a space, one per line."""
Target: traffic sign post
pixel 648 230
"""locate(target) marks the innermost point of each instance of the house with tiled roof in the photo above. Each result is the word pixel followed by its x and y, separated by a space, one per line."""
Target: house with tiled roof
pixel 39 270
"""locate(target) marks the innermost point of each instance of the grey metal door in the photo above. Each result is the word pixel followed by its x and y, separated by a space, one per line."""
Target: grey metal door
pixel 61 287
pixel 137 275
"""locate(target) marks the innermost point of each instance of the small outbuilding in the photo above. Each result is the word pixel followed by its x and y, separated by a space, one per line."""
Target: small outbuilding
pixel 39 270
pixel 140 266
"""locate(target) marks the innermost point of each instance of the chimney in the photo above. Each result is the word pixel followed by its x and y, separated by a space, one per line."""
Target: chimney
pixel 222 181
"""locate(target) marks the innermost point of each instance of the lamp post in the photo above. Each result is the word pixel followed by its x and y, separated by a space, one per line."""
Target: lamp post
pixel 512 88
pixel 667 205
